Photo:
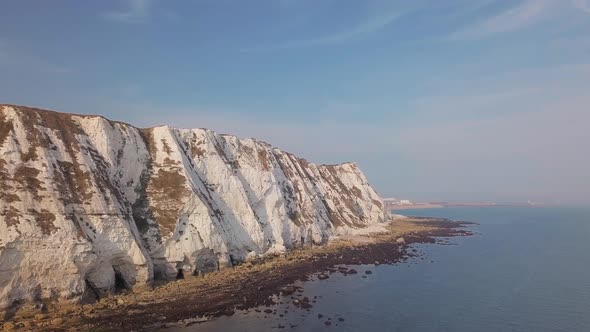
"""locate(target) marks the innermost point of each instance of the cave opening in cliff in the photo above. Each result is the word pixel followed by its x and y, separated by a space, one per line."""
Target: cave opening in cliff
pixel 120 283
pixel 232 261
pixel 91 294
pixel 180 274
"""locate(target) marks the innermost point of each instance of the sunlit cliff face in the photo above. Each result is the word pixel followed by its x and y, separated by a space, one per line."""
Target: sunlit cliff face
pixel 88 203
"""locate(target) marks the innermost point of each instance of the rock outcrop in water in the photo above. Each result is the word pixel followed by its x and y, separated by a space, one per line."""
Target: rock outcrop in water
pixel 88 205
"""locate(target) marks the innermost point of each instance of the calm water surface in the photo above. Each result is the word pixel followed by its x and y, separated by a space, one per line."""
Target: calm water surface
pixel 527 269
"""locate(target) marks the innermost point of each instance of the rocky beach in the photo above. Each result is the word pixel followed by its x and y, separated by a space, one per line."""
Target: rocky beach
pixel 258 282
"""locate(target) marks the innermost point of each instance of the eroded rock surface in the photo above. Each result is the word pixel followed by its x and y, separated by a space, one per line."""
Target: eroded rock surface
pixel 88 205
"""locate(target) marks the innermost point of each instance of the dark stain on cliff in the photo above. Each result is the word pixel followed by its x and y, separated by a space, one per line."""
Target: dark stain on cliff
pixel 44 220
pixel 166 189
pixel 26 178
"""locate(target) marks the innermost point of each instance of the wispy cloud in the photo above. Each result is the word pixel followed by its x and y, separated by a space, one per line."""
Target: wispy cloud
pixel 372 24
pixel 527 13
pixel 583 5
pixel 520 131
pixel 135 11
pixel 516 91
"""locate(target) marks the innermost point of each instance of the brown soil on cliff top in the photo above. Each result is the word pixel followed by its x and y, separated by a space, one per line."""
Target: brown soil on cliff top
pixel 245 286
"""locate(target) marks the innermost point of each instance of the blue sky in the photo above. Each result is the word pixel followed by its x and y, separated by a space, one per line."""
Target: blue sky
pixel 435 100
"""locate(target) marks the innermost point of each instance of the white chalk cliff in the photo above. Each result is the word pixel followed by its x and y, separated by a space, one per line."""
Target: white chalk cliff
pixel 88 204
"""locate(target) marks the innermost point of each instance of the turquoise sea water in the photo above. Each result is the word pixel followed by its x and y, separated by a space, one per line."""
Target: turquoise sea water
pixel 527 269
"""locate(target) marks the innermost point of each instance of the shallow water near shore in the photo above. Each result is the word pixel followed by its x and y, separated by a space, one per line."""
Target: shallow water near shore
pixel 527 269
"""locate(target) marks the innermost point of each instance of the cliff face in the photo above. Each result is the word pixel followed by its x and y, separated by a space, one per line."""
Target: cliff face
pixel 88 204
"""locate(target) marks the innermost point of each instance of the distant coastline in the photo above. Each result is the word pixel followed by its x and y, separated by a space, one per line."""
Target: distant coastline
pixel 416 206
pixel 413 206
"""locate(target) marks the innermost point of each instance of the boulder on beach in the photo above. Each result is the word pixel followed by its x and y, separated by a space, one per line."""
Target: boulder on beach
pixel 288 290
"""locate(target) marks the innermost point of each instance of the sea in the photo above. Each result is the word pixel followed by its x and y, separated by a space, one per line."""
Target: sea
pixel 525 269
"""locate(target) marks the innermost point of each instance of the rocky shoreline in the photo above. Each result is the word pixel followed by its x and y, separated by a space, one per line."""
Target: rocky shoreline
pixel 249 285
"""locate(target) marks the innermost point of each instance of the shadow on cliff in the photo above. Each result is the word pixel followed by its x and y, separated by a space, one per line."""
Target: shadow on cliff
pixel 9 257
pixel 229 225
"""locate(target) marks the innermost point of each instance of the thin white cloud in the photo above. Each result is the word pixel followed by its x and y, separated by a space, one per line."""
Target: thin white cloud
pixel 583 5
pixel 527 13
pixel 372 24
pixel 135 11
pixel 516 91
pixel 525 134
